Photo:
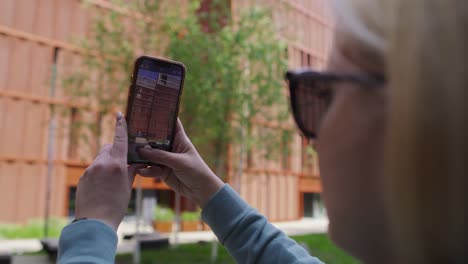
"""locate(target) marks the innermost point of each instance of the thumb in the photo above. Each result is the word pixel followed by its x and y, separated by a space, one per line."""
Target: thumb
pixel 161 157
pixel 120 145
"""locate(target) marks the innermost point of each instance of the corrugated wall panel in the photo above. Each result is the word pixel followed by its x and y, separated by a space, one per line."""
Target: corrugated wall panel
pixel 296 150
pixel 14 130
pixel 25 67
pixel 31 188
pixel 27 192
pixel 58 145
pixel 3 191
pixel 63 15
pixel 5 56
pixel 9 189
pixel 41 61
pixel 243 191
pixel 81 19
pixel 255 195
pixel 61 137
pixel 291 192
pixel 41 189
pixel 252 194
pixel 273 197
pixel 45 18
pixel 269 201
pixel 58 190
pixel 20 66
pixel 283 197
pixel 7 12
pixel 44 128
pixel 263 193
pixel 4 69
pixel 36 130
pixel 25 21
pixel 295 198
pixel 2 111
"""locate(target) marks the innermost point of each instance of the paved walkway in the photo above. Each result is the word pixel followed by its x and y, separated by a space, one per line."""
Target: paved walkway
pixel 304 226
pixel 291 228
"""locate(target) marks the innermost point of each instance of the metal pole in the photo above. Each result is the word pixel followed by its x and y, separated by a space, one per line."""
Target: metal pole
pixel 177 207
pixel 214 251
pixel 137 252
pixel 50 145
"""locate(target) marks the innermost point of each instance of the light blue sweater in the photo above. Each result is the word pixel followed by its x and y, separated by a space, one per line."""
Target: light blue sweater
pixel 246 234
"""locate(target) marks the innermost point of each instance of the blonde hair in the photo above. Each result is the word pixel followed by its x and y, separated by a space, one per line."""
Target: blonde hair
pixel 423 44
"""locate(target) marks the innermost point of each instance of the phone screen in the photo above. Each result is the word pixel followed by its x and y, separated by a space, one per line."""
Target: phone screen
pixel 153 105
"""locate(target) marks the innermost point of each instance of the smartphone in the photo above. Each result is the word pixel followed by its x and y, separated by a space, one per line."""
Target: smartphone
pixel 153 105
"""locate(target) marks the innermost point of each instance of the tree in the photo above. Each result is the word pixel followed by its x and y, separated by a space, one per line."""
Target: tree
pixel 235 74
pixel 235 67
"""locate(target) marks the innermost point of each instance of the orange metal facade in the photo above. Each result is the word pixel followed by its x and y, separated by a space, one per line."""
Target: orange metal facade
pixel 276 187
pixel 32 33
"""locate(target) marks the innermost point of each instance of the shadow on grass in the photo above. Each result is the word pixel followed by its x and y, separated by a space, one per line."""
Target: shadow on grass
pixel 322 248
pixel 319 245
pixel 187 253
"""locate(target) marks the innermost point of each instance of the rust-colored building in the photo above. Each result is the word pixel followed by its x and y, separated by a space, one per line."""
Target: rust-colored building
pixel 36 43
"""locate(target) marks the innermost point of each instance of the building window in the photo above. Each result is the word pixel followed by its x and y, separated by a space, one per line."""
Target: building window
pixel 307 59
pixel 71 201
pixel 313 206
pixel 308 157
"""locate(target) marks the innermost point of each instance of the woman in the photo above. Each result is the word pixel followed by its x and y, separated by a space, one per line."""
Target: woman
pixel 390 121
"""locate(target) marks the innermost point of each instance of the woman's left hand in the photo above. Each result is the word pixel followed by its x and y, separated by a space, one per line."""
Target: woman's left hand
pixel 104 190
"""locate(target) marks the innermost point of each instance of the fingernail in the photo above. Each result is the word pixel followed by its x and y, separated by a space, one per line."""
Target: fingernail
pixel 119 116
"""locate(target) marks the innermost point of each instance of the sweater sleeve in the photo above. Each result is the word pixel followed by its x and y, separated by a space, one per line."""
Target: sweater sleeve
pixel 87 241
pixel 247 235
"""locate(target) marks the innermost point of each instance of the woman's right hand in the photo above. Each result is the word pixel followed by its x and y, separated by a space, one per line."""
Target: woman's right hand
pixel 183 170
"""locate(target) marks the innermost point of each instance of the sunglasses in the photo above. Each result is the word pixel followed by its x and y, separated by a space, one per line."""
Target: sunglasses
pixel 311 95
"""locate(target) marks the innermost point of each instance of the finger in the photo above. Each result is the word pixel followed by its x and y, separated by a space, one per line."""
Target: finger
pixel 163 173
pixel 120 145
pixel 179 126
pixel 154 172
pixel 161 157
pixel 180 131
pixel 134 168
pixel 173 182
pixel 132 171
pixel 105 149
pixel 181 141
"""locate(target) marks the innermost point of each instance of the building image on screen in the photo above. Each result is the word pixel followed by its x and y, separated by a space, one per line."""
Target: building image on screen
pixel 154 105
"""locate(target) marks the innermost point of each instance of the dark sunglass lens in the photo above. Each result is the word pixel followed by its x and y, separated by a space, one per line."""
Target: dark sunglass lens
pixel 311 99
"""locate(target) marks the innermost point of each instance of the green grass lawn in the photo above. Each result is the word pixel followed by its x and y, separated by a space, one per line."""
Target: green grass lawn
pixel 32 229
pixel 319 245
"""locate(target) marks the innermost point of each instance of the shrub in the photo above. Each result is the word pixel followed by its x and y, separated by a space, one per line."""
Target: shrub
pixel 32 229
pixel 190 216
pixel 162 213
